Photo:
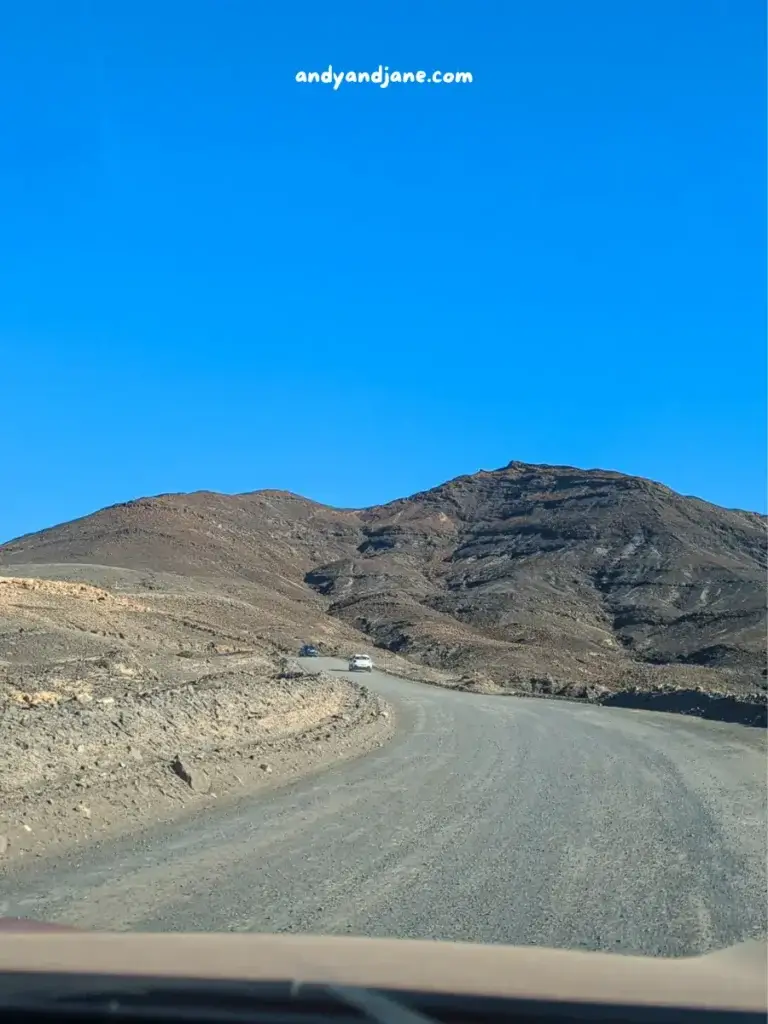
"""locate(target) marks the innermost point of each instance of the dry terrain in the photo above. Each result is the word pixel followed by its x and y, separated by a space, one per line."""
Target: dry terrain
pixel 127 699
pixel 142 647
pixel 530 578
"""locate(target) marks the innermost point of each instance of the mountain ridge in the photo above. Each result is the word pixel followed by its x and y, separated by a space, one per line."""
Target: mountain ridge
pixel 294 495
pixel 534 575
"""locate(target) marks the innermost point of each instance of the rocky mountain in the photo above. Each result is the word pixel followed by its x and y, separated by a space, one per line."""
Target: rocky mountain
pixel 542 577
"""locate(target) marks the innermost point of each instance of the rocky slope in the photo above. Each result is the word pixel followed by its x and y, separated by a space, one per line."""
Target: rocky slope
pixel 127 698
pixel 555 576
pixel 538 578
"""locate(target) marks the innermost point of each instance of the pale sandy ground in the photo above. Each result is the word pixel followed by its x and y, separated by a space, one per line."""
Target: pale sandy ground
pixel 100 692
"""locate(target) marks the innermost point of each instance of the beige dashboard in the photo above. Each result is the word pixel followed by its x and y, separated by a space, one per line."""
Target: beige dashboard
pixel 731 980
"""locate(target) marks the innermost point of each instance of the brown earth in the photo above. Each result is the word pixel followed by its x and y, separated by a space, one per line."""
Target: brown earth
pixel 156 630
pixel 540 579
pixel 557 579
pixel 120 706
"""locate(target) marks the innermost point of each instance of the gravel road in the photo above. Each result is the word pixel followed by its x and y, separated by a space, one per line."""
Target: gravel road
pixel 485 819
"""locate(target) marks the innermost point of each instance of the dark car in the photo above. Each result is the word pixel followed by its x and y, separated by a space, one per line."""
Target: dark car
pixel 308 651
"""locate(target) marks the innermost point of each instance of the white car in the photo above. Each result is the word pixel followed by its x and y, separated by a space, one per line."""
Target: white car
pixel 360 663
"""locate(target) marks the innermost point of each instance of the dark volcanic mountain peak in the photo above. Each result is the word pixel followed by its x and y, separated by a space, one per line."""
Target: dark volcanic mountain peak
pixel 526 571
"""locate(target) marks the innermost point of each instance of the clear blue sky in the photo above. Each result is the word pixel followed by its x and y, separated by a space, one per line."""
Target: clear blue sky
pixel 212 277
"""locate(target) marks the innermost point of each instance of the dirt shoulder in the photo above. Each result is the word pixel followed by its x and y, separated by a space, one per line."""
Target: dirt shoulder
pixel 118 712
pixel 147 759
pixel 749 709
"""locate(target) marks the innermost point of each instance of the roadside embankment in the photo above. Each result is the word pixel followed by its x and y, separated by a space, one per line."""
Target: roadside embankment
pixel 114 716
pixel 747 708
pixel 740 710
pixel 73 772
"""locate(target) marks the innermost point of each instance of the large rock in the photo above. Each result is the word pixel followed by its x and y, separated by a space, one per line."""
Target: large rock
pixel 195 778
pixel 290 669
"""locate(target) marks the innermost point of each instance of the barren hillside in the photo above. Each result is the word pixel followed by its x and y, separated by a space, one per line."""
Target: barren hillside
pixel 126 697
pixel 548 578
pixel 561 576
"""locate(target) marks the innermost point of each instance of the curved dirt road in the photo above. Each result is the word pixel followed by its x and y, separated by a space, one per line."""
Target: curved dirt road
pixel 485 819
